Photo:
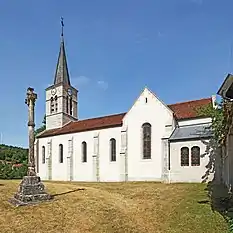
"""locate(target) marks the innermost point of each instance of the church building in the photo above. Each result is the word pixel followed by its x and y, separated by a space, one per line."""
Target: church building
pixel 152 141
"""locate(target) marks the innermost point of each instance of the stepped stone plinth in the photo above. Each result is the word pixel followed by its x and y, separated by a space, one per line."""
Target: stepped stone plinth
pixel 31 191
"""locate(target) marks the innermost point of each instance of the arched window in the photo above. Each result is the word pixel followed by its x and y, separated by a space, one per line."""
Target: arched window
pixel 71 107
pixel 60 153
pixel 112 150
pixel 146 137
pixel 184 156
pixel 51 105
pixel 55 100
pixel 84 152
pixel 195 156
pixel 43 154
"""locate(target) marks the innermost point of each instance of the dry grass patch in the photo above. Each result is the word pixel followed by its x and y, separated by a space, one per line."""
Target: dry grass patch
pixel 112 207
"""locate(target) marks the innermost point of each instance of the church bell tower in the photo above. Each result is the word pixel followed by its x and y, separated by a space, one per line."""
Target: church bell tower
pixel 61 97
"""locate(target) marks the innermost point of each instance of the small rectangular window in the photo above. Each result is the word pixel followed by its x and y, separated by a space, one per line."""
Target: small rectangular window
pixel 146 100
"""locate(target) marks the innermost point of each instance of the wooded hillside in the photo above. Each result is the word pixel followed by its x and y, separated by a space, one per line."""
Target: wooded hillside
pixel 13 162
pixel 13 154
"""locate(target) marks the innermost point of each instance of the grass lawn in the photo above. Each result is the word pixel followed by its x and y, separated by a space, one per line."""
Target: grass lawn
pixel 113 207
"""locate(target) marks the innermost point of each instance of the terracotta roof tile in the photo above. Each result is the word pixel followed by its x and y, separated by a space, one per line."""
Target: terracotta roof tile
pixel 88 124
pixel 184 110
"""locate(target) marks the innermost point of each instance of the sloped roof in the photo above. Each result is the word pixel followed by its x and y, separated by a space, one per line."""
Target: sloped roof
pixel 191 132
pixel 226 89
pixel 188 109
pixel 185 110
pixel 85 125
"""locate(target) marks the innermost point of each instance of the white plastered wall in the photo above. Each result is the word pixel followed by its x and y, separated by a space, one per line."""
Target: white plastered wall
pixel 108 171
pixel 189 173
pixel 147 109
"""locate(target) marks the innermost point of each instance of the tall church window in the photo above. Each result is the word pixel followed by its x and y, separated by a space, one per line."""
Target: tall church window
pixel 84 152
pixel 146 137
pixel 71 109
pixel 184 156
pixel 56 105
pixel 43 154
pixel 112 150
pixel 60 153
pixel 195 156
pixel 51 105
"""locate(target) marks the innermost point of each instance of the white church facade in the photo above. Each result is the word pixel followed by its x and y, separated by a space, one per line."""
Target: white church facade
pixel 151 142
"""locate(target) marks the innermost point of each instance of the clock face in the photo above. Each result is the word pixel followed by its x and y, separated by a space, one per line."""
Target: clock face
pixel 69 91
pixel 53 91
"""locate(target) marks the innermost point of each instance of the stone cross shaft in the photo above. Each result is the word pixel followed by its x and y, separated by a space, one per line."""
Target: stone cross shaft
pixel 30 101
pixel 31 190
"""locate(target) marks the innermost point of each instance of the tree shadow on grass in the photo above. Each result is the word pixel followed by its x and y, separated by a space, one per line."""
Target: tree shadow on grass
pixel 71 191
pixel 220 197
pixel 204 202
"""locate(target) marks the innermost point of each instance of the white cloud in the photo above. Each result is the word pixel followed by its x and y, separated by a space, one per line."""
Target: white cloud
pixel 102 84
pixel 140 38
pixel 160 34
pixel 81 81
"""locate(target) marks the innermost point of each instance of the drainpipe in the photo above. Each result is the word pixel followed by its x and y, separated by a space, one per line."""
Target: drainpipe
pixel 169 162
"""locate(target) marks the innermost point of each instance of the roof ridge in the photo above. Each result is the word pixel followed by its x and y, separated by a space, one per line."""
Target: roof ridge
pixel 190 101
pixel 122 113
pixel 194 125
pixel 104 116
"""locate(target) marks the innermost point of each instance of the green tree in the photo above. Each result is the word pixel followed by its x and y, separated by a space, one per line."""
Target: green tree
pixel 218 126
pixel 41 128
pixel 9 156
pixel 214 146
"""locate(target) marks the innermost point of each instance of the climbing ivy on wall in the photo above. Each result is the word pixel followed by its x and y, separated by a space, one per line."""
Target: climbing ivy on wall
pixel 219 117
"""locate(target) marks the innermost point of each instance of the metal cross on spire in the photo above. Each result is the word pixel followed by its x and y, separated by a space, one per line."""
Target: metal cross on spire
pixel 62 73
pixel 62 26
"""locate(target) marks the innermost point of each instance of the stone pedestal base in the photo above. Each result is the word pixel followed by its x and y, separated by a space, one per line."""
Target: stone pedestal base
pixel 30 191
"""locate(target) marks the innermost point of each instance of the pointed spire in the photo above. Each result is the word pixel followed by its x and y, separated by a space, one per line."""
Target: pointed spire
pixel 62 73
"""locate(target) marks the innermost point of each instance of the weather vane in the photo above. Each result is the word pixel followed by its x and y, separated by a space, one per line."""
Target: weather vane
pixel 62 26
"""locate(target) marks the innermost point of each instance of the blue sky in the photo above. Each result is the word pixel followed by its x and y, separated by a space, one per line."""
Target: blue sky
pixel 180 49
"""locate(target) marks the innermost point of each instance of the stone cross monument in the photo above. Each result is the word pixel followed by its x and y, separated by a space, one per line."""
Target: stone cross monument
pixel 30 101
pixel 31 189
